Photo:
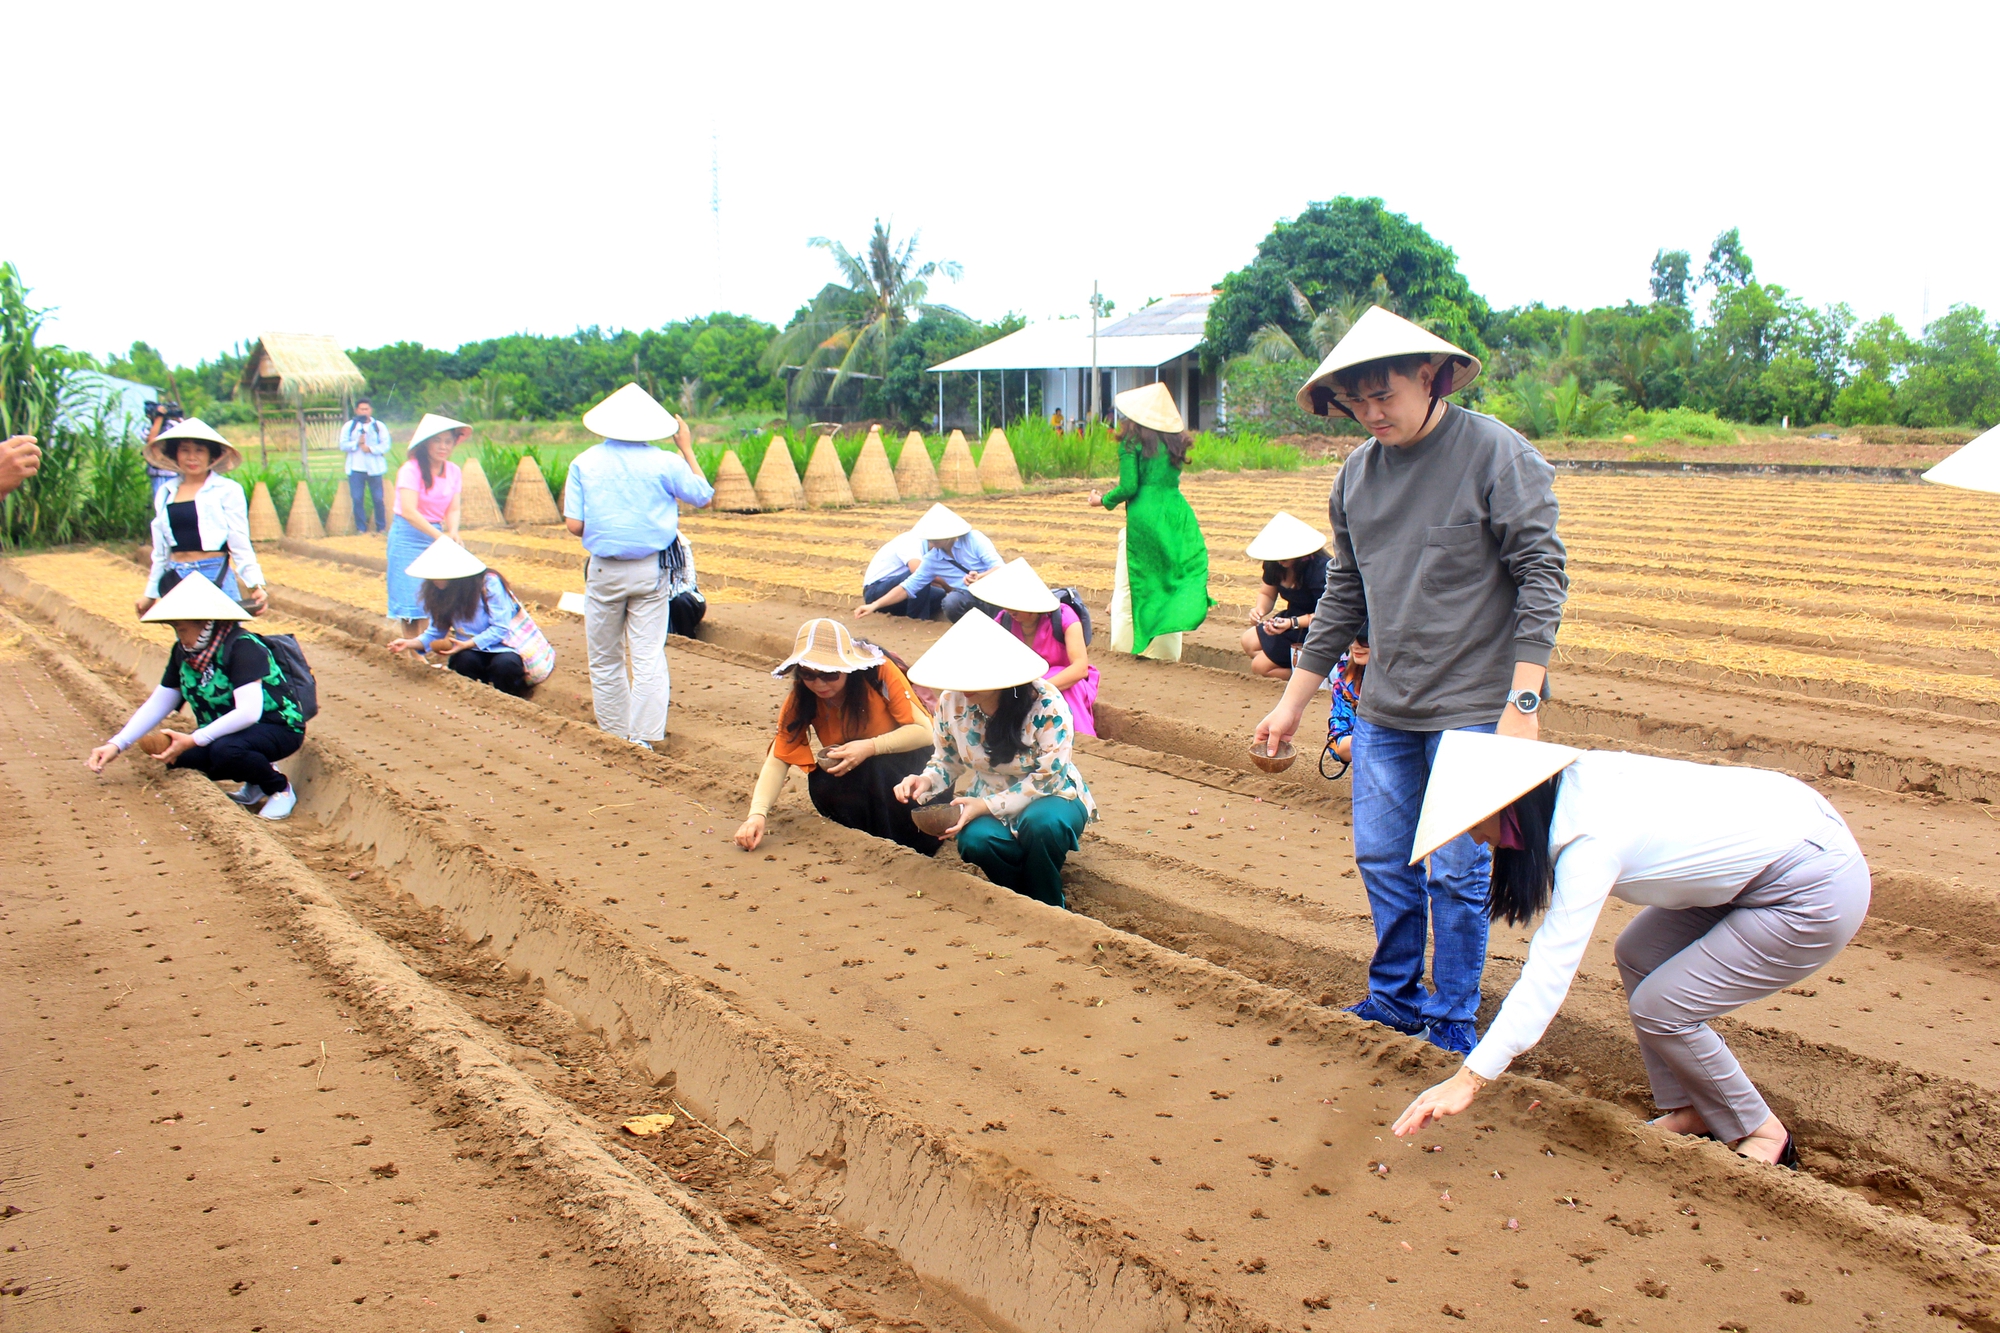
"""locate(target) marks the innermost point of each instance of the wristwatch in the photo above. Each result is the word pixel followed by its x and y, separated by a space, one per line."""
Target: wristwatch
pixel 1525 701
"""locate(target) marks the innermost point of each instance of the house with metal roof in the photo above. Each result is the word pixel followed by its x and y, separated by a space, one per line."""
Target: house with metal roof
pixel 1054 361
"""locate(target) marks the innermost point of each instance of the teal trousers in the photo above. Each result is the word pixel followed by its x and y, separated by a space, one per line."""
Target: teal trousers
pixel 1028 861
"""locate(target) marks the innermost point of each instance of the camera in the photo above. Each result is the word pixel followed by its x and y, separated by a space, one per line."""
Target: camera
pixel 167 412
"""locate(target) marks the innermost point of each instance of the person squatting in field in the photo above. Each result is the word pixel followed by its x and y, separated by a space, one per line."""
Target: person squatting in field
pixel 201 522
pixel 1294 559
pixel 872 733
pixel 1032 614
pixel 1006 734
pixel 477 623
pixel 954 559
pixel 1750 882
pixel 1445 545
pixel 245 710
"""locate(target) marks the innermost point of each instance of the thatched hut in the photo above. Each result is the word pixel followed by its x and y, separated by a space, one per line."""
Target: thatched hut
pixel 306 373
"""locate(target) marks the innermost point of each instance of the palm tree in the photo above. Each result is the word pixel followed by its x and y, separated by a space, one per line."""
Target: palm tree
pixel 1324 328
pixel 847 329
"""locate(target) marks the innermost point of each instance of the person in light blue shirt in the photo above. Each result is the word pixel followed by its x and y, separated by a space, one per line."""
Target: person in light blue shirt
pixel 365 441
pixel 955 557
pixel 623 499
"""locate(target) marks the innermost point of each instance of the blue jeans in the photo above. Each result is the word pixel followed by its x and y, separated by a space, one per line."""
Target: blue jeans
pixel 358 485
pixel 1391 769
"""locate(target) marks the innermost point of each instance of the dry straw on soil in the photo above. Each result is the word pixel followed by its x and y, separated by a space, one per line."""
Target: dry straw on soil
pixel 826 484
pixel 733 492
pixel 997 469
pixel 529 501
pixel 871 481
pixel 340 516
pixel 957 473
pixel 303 523
pixel 916 478
pixel 475 507
pixel 265 525
pixel 778 485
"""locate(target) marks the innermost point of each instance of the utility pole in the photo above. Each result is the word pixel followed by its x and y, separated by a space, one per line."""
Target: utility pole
pixel 1096 304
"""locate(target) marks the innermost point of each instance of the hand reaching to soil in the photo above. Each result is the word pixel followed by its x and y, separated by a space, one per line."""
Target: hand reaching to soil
pixel 403 645
pixel 1433 1104
pixel 750 833
pixel 915 787
pixel 101 756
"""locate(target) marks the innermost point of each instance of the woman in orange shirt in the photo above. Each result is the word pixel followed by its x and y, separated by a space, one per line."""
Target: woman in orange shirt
pixel 872 734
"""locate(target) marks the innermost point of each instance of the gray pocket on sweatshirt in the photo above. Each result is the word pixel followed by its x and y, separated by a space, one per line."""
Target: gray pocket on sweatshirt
pixel 1454 557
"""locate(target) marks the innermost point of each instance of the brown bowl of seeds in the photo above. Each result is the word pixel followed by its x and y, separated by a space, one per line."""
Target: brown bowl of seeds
pixel 1270 762
pixel 935 820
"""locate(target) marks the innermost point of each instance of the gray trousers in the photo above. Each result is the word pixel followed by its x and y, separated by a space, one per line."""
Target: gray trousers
pixel 1683 967
pixel 625 613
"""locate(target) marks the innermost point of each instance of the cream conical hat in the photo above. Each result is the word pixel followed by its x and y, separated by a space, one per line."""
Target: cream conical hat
pixel 195 598
pixel 631 414
pixel 916 475
pixel 1973 467
pixel 940 524
pixel 976 654
pixel 1015 586
pixel 445 559
pixel 1474 774
pixel 433 424
pixel 825 645
pixel 1151 405
pixel 1285 538
pixel 1378 334
pixel 159 452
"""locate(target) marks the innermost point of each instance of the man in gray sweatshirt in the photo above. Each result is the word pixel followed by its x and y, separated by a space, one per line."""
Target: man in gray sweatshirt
pixel 1444 544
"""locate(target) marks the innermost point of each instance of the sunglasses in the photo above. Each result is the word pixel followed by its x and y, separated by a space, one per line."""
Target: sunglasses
pixel 808 674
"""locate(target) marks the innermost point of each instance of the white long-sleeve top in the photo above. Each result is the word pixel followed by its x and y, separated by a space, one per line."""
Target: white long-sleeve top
pixel 161 703
pixel 1656 832
pixel 223 516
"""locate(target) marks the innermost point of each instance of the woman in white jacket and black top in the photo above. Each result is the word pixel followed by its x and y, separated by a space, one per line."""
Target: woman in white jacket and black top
pixel 1750 880
pixel 201 523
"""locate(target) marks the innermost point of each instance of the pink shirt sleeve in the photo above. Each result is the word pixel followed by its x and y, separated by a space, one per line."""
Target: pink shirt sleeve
pixel 435 502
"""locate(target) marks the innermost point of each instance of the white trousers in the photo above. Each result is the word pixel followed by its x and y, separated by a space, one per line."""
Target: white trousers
pixel 625 614
pixel 1164 647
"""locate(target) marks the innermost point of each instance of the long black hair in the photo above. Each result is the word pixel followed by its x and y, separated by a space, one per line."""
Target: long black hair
pixel 454 603
pixel 1004 733
pixel 1524 878
pixel 1146 442
pixel 853 704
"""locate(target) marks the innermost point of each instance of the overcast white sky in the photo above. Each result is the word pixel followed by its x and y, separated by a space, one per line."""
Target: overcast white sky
pixel 445 172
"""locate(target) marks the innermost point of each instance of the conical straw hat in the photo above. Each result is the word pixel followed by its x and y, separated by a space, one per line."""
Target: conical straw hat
pixel 340 518
pixel 825 484
pixel 195 598
pixel 1285 538
pixel 733 492
pixel 957 473
pixel 631 414
pixel 1015 586
pixel 528 500
pixel 1474 774
pixel 445 559
pixel 1151 405
pixel 916 475
pixel 433 424
pixel 475 498
pixel 872 481
pixel 778 483
pixel 1378 334
pixel 940 524
pixel 1974 467
pixel 976 654
pixel 265 525
pixel 997 469
pixel 825 645
pixel 160 452
pixel 303 523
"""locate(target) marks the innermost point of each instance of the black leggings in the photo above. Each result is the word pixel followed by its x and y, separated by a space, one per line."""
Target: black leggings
pixel 865 798
pixel 502 670
pixel 246 755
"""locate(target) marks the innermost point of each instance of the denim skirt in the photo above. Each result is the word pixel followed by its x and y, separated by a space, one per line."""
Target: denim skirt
pixel 406 595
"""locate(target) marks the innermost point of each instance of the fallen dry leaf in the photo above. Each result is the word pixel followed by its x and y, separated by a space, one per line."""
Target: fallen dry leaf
pixel 645 1126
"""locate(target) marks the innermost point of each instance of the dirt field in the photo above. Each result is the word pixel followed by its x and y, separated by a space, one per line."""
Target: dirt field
pixel 905 1099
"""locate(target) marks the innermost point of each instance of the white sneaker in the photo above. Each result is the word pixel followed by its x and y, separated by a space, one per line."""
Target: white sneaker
pixel 247 794
pixel 280 805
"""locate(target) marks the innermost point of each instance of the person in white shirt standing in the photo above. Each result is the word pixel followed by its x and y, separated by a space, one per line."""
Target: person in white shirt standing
pixel 623 498
pixel 365 441
pixel 1750 882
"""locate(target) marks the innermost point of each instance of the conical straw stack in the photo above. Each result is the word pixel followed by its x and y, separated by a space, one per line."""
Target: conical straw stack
pixel 997 469
pixel 778 484
pixel 528 500
pixel 733 492
pixel 957 473
pixel 475 498
pixel 340 518
pixel 872 481
pixel 265 525
pixel 303 524
pixel 916 478
pixel 826 485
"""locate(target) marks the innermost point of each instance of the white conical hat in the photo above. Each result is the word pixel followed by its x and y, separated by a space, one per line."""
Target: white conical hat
pixel 1285 538
pixel 631 414
pixel 1151 405
pixel 1474 774
pixel 161 451
pixel 1378 334
pixel 939 524
pixel 976 654
pixel 1015 586
pixel 445 559
pixel 433 424
pixel 195 598
pixel 1974 467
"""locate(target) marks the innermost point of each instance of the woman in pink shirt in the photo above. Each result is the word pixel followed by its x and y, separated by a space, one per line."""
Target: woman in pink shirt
pixel 427 507
pixel 1032 614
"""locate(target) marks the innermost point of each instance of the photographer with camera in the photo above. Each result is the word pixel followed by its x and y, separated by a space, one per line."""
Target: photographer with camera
pixel 365 441
pixel 160 417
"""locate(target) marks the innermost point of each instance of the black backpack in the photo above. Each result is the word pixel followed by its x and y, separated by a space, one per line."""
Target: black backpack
pixel 1073 599
pixel 298 673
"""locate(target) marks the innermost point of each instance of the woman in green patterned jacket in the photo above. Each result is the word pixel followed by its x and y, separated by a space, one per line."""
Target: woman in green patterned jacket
pixel 245 711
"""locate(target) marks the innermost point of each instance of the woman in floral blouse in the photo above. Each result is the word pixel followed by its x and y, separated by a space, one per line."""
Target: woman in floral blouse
pixel 1002 726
